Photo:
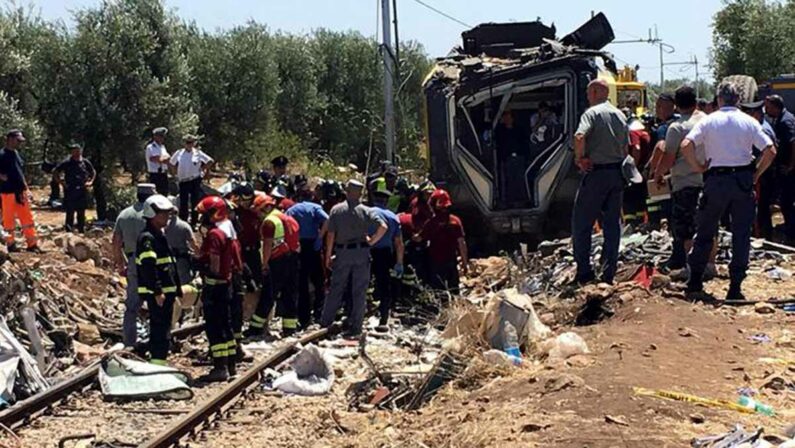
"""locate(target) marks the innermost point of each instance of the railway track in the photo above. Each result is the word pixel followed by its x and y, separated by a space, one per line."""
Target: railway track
pixel 25 411
pixel 71 410
pixel 211 409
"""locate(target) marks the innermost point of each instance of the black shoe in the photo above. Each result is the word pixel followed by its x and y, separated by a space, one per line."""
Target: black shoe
pixel 219 373
pixel 231 365
pixel 35 250
pixel 287 332
pixel 584 279
pixel 13 248
pixel 252 332
pixel 735 294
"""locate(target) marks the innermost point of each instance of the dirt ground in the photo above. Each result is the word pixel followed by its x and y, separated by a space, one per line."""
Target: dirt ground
pixel 588 401
pixel 651 342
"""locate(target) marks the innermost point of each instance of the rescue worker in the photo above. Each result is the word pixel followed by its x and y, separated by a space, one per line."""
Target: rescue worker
pixel 686 184
pixel 192 165
pixel 129 225
pixel 248 236
pixel 783 122
pixel 666 114
pixel 312 228
pixel 331 194
pixel 419 213
pixel 157 159
pixel 445 235
pixel 728 137
pixel 79 176
pixel 387 182
pixel 280 195
pixel 386 254
pixel 348 238
pixel 179 235
pixel 158 282
pixel 600 146
pixel 767 183
pixel 640 149
pixel 217 259
pixel 15 194
pixel 280 246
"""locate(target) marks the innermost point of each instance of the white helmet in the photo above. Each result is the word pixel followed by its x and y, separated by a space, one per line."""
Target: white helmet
pixel 156 203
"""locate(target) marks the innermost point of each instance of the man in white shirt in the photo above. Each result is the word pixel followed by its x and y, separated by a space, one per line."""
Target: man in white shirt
pixel 192 165
pixel 728 136
pixel 157 160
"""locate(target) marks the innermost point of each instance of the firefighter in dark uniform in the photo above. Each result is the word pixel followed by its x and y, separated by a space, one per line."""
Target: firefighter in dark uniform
pixel 158 282
pixel 217 259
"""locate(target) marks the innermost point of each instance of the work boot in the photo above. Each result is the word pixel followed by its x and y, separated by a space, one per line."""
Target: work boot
pixel 34 250
pixel 219 372
pixel 583 280
pixel 242 355
pixel 13 248
pixel 735 293
pixel 253 333
pixel 287 332
pixel 231 365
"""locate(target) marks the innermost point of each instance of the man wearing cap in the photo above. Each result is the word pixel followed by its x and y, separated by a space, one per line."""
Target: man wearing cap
pixel 192 165
pixel 78 177
pixel 783 122
pixel 312 227
pixel 686 184
pixel 445 236
pixel 600 146
pixel 279 166
pixel 386 254
pixel 767 183
pixel 157 160
pixel 728 137
pixel 348 238
pixel 158 282
pixel 129 224
pixel 15 194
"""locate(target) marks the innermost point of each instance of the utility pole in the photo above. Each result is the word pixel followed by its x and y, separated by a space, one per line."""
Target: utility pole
pixel 656 41
pixel 389 86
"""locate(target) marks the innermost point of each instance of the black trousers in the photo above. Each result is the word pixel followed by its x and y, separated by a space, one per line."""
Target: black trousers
pixel 444 276
pixel 75 203
pixel 417 257
pixel 787 185
pixel 279 283
pixel 190 193
pixel 236 306
pixel 161 182
pixel 383 260
pixel 252 257
pixel 159 326
pixel 311 270
pixel 216 300
pixel 683 223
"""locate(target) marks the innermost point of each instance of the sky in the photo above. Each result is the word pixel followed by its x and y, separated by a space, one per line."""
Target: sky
pixel 683 24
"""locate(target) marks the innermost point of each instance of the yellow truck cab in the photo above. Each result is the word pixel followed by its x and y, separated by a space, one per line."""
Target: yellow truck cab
pixel 626 91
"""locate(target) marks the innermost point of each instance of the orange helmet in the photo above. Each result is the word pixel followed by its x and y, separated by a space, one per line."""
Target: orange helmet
pixel 214 208
pixel 440 199
pixel 262 200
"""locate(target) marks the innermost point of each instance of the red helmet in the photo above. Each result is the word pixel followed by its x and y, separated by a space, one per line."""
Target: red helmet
pixel 262 200
pixel 214 208
pixel 440 199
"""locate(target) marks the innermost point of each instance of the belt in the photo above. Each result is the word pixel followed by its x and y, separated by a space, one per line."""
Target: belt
pixel 730 169
pixel 607 166
pixel 213 281
pixel 352 246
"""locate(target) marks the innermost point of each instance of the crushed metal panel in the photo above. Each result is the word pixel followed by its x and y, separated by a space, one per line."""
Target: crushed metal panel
pixel 499 38
pixel 594 34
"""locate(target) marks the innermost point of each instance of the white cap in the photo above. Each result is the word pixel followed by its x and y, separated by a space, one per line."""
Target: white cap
pixel 156 203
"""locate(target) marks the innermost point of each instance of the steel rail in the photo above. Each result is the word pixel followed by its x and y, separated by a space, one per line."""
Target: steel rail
pixel 192 422
pixel 25 410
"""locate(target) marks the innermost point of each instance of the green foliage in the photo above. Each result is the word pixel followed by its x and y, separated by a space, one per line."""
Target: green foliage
pixel 705 89
pixel 128 66
pixel 754 37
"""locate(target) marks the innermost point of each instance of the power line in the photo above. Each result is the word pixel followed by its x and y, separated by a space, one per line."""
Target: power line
pixel 443 14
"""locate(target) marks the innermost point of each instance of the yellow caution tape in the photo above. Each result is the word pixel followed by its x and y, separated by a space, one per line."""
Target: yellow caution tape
pixel 676 396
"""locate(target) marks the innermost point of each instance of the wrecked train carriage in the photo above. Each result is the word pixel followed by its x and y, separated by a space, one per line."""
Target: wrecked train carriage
pixel 501 115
